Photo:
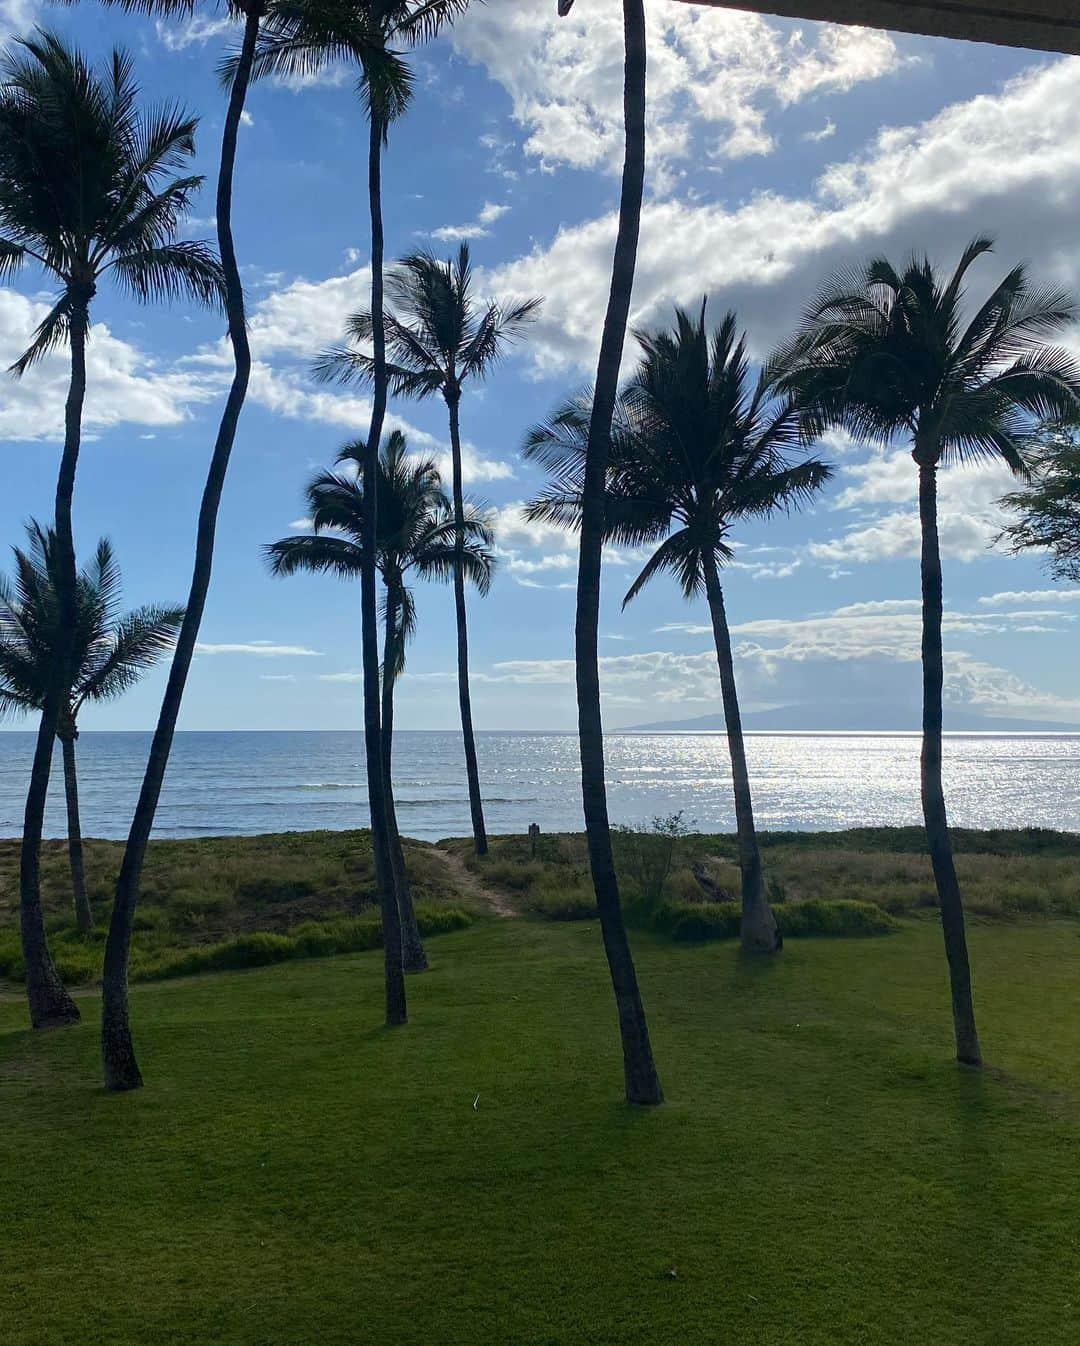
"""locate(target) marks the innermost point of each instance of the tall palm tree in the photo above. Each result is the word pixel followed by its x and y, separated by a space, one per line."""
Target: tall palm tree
pixel 416 533
pixel 111 651
pixel 89 192
pixel 439 340
pixel 303 38
pixel 699 448
pixel 896 354
pixel 337 28
pixel 639 1070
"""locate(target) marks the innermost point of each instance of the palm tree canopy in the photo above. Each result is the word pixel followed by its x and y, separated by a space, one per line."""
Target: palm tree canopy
pixel 438 335
pixel 887 353
pixel 299 38
pixel 113 649
pixel 92 186
pixel 415 525
pixel 696 446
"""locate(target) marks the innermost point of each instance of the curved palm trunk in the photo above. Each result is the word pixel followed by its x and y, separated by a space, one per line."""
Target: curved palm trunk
pixel 758 932
pixel 84 916
pixel 413 957
pixel 472 771
pixel 639 1071
pixel 396 1009
pixel 933 794
pixel 121 1069
pixel 49 1003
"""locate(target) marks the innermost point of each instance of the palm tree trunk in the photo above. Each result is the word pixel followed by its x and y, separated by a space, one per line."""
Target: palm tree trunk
pixel 472 771
pixel 413 957
pixel 933 794
pixel 396 1008
pixel 758 933
pixel 121 1069
pixel 49 1003
pixel 639 1071
pixel 84 916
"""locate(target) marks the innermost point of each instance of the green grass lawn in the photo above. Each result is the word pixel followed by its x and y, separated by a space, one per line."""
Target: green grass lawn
pixel 293 1174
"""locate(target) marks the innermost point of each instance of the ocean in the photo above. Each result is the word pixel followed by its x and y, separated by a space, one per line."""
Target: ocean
pixel 244 783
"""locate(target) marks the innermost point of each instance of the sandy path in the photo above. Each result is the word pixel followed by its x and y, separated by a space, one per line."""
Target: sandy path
pixel 466 879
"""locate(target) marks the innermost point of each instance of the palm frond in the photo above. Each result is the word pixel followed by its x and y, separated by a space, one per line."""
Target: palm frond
pixel 172 271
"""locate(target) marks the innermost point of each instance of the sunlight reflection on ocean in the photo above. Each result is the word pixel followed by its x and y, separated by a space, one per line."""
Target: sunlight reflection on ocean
pixel 242 783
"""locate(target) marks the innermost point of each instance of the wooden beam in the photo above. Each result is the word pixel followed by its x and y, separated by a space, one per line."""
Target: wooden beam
pixel 1041 25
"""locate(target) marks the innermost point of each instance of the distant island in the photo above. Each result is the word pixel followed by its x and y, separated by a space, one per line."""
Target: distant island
pixel 853 717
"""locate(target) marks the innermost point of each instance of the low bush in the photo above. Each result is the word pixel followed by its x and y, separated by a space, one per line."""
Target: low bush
pixel 312 939
pixel 698 921
pixel 577 904
pixel 516 875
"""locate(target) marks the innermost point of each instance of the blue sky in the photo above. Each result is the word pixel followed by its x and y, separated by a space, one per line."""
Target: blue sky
pixel 779 151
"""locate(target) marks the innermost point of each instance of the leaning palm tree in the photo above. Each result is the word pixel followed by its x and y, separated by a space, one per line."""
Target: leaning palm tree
pixel 891 354
pixel 89 193
pixel 416 534
pixel 642 1084
pixel 307 32
pixel 439 340
pixel 111 650
pixel 697 448
pixel 302 38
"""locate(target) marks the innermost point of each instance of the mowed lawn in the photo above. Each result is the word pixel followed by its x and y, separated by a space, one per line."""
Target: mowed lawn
pixel 821 1173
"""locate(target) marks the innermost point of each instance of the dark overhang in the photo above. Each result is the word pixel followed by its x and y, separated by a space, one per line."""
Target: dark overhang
pixel 1043 25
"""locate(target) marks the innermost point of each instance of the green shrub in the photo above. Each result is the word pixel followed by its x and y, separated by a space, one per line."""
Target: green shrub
pixel 517 875
pixel 312 939
pixel 574 905
pixel 818 917
pixel 270 888
pixel 693 922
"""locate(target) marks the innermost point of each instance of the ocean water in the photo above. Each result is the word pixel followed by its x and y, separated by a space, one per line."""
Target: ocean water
pixel 244 783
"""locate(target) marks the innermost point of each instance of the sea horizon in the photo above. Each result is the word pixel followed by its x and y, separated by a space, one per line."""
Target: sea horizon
pixel 224 782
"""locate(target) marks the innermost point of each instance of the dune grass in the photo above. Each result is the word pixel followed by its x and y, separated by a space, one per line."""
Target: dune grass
pixel 1004 874
pixel 211 903
pixel 821 1174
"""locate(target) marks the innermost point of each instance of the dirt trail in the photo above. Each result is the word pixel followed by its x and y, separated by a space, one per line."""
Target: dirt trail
pixel 466 879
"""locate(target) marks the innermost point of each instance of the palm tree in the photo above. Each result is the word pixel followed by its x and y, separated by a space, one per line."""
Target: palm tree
pixel 639 1070
pixel 894 354
pixel 111 651
pixel 89 192
pixel 302 38
pixel 439 340
pixel 327 30
pixel 416 533
pixel 697 449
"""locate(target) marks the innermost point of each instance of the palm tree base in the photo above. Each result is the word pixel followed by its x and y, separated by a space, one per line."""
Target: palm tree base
pixel 758 933
pixel 52 1007
pixel 121 1069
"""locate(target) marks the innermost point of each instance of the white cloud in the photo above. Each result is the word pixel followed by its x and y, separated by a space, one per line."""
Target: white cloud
pixel 1009 161
pixel 198 29
pixel 1011 596
pixel 969 517
pixel 124 386
pixel 478 228
pixel 825 133
pixel 711 71
pixel 260 649
pixel 277 677
pixel 848 657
